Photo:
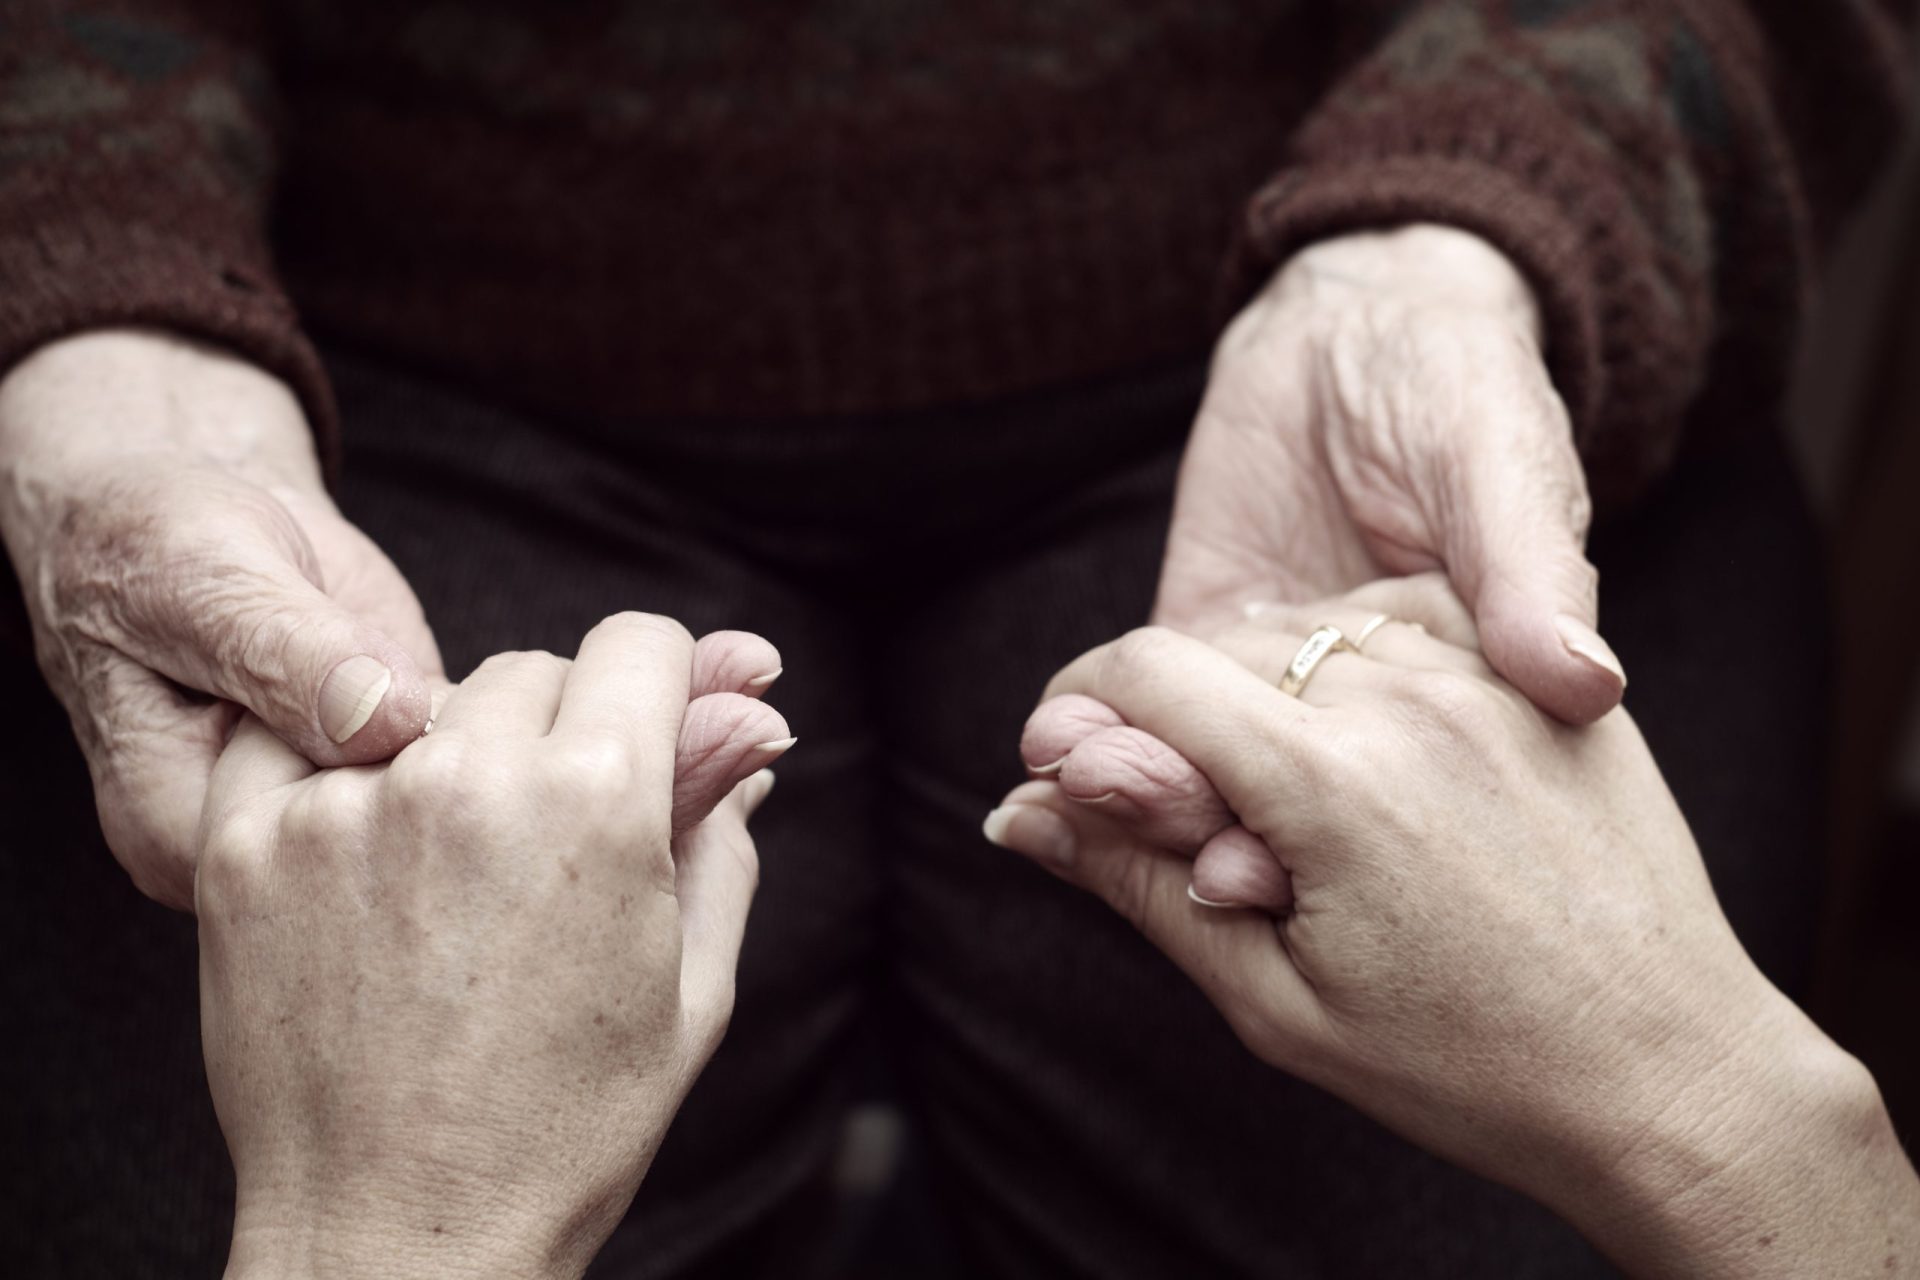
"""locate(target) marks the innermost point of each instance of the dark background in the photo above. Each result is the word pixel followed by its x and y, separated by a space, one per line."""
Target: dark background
pixel 1856 427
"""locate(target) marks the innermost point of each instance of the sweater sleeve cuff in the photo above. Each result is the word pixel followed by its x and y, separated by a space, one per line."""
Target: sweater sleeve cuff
pixel 1578 287
pixel 87 272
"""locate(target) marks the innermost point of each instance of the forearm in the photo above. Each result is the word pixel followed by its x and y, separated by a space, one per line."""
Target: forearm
pixel 124 390
pixel 1787 1165
pixel 101 397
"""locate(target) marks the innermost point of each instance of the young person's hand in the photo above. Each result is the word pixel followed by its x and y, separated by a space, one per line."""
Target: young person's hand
pixel 1496 936
pixel 451 1003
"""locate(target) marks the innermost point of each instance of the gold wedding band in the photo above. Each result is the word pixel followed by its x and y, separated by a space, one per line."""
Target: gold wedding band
pixel 1322 642
pixel 1374 623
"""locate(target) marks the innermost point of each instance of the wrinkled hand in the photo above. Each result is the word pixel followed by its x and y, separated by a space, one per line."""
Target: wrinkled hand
pixel 181 560
pixel 1383 408
pixel 1496 934
pixel 451 1003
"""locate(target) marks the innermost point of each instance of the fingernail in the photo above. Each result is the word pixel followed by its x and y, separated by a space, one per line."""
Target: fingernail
pixel 1102 798
pixel 1210 903
pixel 351 695
pixel 761 682
pixel 1584 642
pixel 1047 770
pixel 778 744
pixel 1029 829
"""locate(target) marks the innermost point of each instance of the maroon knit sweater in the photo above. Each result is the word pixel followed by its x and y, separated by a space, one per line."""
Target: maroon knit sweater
pixel 722 208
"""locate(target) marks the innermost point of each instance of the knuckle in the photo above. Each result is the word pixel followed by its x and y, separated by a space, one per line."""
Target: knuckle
pixel 1139 655
pixel 1450 704
pixel 519 665
pixel 232 871
pixel 1343 760
pixel 647 626
pixel 435 777
pixel 593 771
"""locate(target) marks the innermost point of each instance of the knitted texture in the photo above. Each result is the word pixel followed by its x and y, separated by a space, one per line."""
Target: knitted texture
pixel 623 209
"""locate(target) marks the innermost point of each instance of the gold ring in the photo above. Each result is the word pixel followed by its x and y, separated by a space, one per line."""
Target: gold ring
pixel 1322 642
pixel 1374 623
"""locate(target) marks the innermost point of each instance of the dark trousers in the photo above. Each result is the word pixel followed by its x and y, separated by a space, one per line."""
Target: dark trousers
pixel 1075 1107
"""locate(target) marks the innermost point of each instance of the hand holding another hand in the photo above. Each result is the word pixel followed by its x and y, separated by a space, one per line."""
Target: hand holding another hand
pixel 182 561
pixel 1384 407
pixel 451 1003
pixel 1497 936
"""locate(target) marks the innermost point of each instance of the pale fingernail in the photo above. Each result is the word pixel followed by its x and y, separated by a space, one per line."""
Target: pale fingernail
pixel 1029 829
pixel 1047 770
pixel 1210 903
pixel 351 695
pixel 1584 642
pixel 778 744
pixel 1102 798
pixel 756 788
pixel 761 682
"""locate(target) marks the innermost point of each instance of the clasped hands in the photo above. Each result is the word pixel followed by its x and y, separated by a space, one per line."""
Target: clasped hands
pixel 1496 935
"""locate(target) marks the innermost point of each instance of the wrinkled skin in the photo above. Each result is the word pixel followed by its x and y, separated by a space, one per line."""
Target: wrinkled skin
pixel 1384 408
pixel 182 561
pixel 1495 936
pixel 451 1003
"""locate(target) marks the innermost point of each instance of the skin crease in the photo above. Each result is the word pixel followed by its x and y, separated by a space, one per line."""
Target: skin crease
pixel 1501 943
pixel 1384 408
pixel 1172 803
pixel 1339 440
pixel 164 511
pixel 451 1003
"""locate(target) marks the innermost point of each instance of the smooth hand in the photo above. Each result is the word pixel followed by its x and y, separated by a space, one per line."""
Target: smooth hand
pixel 1495 936
pixel 451 1003
pixel 1383 408
pixel 181 560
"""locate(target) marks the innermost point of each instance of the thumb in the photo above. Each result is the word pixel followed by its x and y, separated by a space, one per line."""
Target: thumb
pixel 333 687
pixel 1518 557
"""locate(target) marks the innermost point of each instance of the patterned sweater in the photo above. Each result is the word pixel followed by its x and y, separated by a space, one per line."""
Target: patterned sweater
pixel 638 207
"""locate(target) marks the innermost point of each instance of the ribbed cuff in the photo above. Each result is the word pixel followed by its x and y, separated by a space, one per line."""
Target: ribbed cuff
pixel 1625 376
pixel 90 272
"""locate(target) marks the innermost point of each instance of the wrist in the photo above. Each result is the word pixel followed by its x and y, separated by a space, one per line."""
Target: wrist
pixel 1757 1159
pixel 105 395
pixel 1421 262
pixel 384 1236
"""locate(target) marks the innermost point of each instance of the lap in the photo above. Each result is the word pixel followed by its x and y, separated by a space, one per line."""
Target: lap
pixel 514 536
pixel 1085 1110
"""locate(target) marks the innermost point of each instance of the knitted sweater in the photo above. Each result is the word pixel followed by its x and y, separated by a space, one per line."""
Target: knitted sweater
pixel 607 208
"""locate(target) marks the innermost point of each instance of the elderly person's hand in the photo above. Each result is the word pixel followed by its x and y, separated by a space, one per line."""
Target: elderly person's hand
pixel 164 511
pixel 181 560
pixel 1383 408
pixel 451 1003
pixel 1497 939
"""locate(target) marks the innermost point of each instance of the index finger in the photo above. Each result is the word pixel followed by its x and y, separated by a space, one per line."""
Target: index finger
pixel 1254 743
pixel 255 761
pixel 629 686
